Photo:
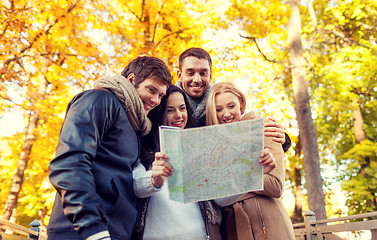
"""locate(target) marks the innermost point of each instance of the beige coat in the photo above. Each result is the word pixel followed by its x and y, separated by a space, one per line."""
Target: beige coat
pixel 261 214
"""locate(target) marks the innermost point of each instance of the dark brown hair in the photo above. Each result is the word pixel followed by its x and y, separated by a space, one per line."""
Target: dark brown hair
pixel 195 52
pixel 150 143
pixel 146 67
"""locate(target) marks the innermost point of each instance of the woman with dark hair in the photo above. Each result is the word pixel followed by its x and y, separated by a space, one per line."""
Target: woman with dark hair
pixel 150 143
pixel 160 217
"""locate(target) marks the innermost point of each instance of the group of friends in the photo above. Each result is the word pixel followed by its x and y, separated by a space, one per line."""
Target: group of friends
pixel 110 175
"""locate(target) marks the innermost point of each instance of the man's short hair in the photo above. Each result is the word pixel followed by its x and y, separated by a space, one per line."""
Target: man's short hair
pixel 146 67
pixel 195 52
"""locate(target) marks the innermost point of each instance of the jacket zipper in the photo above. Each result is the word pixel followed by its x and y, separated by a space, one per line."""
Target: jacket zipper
pixel 203 207
pixel 261 218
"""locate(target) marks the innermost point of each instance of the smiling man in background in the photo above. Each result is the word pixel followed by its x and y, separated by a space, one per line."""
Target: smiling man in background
pixel 194 77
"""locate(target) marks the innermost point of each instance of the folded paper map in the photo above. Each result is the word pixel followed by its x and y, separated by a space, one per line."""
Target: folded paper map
pixel 214 161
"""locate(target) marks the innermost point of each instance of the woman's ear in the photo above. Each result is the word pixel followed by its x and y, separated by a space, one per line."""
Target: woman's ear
pixel 242 106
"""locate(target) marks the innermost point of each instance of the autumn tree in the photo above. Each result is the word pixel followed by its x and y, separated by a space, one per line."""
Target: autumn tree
pixel 344 49
pixel 44 52
pixel 50 51
pixel 308 135
pixel 260 20
pixel 162 28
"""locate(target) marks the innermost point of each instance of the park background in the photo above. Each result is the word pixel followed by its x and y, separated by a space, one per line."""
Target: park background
pixel 312 65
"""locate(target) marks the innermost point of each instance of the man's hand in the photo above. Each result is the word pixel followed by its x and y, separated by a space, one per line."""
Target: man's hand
pixel 267 160
pixel 248 116
pixel 273 129
pixel 161 169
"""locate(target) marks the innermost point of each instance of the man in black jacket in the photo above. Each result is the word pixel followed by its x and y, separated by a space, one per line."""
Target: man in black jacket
pixel 98 145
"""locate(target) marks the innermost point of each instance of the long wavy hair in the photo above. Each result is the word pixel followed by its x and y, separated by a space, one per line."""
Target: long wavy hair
pixel 150 144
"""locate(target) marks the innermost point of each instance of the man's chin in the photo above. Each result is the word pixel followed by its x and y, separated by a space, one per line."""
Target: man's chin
pixel 196 94
pixel 147 111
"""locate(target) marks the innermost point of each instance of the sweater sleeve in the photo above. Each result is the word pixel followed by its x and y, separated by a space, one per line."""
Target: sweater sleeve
pixel 287 144
pixel 143 186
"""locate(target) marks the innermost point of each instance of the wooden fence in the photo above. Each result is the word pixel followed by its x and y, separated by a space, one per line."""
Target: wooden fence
pixel 311 229
pixel 19 232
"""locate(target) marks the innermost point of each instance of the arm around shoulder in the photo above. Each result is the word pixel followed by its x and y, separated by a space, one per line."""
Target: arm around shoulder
pixel 274 181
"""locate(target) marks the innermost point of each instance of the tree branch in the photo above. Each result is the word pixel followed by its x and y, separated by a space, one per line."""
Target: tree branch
pixel 133 13
pixel 158 17
pixel 4 31
pixel 172 33
pixel 142 10
pixel 46 30
pixel 259 50
pixel 341 35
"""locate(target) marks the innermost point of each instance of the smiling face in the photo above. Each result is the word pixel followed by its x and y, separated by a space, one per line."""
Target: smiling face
pixel 195 76
pixel 228 107
pixel 176 111
pixel 151 90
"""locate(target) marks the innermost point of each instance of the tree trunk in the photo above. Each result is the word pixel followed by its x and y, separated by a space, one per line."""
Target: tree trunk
pixel 316 198
pixel 297 214
pixel 374 234
pixel 360 135
pixel 146 21
pixel 297 189
pixel 33 119
pixel 358 123
pixel 11 202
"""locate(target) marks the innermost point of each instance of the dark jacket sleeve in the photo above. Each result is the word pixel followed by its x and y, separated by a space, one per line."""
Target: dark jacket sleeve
pixel 287 143
pixel 88 117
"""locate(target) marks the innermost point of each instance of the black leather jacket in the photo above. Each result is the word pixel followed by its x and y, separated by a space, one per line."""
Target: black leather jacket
pixel 92 171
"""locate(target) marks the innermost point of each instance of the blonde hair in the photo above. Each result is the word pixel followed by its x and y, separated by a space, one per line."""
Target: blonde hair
pixel 218 88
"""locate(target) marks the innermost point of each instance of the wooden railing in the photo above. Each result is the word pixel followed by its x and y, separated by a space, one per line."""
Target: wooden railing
pixel 311 229
pixel 20 232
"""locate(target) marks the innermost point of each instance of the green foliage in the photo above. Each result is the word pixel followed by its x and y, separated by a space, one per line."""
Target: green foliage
pixel 69 44
pixel 362 191
pixel 340 48
pixel 362 153
pixel 344 79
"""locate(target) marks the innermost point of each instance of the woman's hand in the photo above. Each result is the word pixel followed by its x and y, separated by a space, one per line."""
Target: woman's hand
pixel 267 160
pixel 161 169
pixel 275 130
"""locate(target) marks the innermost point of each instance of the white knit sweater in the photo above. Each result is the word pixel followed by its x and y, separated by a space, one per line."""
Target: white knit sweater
pixel 167 219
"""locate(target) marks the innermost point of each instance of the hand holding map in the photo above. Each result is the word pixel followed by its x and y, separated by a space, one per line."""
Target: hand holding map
pixel 160 169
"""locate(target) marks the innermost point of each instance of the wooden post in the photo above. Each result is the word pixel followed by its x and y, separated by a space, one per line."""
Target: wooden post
pixel 309 216
pixel 35 227
pixel 373 232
